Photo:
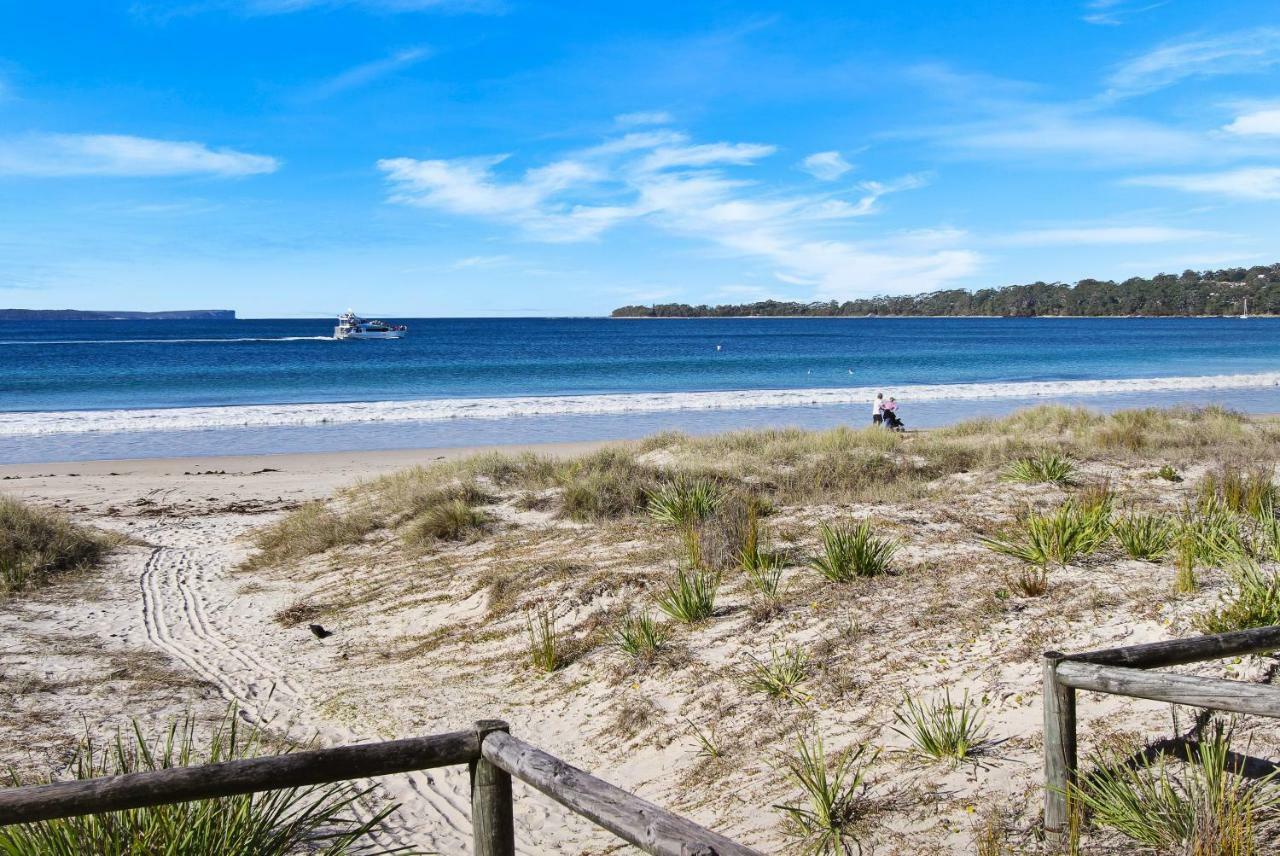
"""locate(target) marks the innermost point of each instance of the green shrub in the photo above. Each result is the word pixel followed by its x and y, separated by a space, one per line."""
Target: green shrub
pixel 691 597
pixel 316 820
pixel 828 820
pixel 849 552
pixel 1058 538
pixel 1255 602
pixel 1047 467
pixel 1212 535
pixel 37 545
pixel 641 637
pixel 1145 536
pixel 779 678
pixel 1205 808
pixel 940 728
pixel 684 502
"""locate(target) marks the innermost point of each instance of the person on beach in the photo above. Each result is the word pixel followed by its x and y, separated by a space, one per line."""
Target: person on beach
pixel 889 414
pixel 877 417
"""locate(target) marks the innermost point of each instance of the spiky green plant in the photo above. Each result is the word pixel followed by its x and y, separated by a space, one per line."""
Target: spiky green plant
pixel 828 819
pixel 1168 473
pixel 684 501
pixel 1047 467
pixel 639 636
pixel 1058 537
pixel 1250 492
pixel 691 596
pixel 1254 602
pixel 855 551
pixel 1205 808
pixel 1145 536
pixel 781 676
pixel 1031 581
pixel 1212 535
pixel 940 728
pixel 316 820
pixel 544 641
pixel 708 745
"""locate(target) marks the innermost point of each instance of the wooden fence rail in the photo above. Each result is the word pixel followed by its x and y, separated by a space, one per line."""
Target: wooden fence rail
pixel 1121 671
pixel 492 754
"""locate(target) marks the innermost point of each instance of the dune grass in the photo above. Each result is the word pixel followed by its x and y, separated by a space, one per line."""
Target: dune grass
pixel 830 816
pixel 691 596
pixel 1044 468
pixel 307 530
pixel 37 546
pixel 1056 538
pixel 781 676
pixel 316 820
pixel 1254 601
pixel 640 637
pixel 849 552
pixel 1145 536
pixel 940 728
pixel 1200 807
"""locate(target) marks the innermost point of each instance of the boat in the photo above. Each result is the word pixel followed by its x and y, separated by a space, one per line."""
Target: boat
pixel 352 326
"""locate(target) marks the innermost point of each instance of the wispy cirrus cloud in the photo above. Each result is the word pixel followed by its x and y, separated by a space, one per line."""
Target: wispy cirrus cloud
pixel 368 72
pixel 160 11
pixel 827 166
pixel 701 191
pixel 643 117
pixel 1112 13
pixel 1104 235
pixel 1248 183
pixel 64 155
pixel 1240 52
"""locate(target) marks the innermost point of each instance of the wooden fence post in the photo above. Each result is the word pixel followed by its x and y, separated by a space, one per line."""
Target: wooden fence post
pixel 492 815
pixel 1059 748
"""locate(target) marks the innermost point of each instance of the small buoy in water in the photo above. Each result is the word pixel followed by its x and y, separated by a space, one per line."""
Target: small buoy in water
pixel 719 347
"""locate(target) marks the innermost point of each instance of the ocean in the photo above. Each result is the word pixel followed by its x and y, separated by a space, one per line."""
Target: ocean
pixel 76 390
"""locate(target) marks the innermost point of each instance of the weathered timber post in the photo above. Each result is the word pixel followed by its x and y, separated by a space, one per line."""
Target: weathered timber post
pixel 492 815
pixel 1059 748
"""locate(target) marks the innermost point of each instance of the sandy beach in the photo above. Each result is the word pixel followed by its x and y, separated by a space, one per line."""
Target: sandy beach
pixel 429 638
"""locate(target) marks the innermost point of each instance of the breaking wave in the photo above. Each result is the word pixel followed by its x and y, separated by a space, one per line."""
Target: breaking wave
pixel 431 410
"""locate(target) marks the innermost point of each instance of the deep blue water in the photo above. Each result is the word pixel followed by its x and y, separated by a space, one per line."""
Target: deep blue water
pixel 113 364
pixel 453 376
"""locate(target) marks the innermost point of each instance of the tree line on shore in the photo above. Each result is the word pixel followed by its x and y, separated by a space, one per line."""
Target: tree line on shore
pixel 1211 292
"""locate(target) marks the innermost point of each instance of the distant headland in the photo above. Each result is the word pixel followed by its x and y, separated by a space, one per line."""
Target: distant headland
pixel 1233 291
pixel 88 315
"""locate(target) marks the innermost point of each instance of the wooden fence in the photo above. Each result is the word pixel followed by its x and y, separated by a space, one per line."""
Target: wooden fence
pixel 1122 671
pixel 492 754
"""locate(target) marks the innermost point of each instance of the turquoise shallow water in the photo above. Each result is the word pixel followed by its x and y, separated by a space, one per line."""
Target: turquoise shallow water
pixel 126 389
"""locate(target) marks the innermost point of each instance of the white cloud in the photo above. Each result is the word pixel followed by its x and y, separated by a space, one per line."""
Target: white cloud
pixel 1112 13
pixel 643 117
pixel 827 166
pixel 1240 52
pixel 1260 123
pixel 688 190
pixel 366 73
pixel 1100 235
pixel 49 155
pixel 1245 183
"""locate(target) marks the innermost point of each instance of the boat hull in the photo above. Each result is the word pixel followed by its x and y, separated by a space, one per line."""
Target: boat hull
pixel 368 334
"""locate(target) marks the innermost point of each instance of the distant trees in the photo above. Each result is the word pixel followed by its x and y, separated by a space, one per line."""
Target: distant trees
pixel 1213 292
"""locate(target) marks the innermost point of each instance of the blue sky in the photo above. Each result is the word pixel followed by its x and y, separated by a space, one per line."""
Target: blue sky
pixel 498 157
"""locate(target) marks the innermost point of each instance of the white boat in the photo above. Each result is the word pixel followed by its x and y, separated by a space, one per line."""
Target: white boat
pixel 352 326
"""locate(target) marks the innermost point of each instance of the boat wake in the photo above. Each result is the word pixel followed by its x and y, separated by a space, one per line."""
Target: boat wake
pixel 433 410
pixel 164 341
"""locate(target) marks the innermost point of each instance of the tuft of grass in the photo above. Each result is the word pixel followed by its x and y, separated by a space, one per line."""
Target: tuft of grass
pixel 1169 474
pixel 1058 538
pixel 1145 536
pixel 1031 581
pixel 316 820
pixel 691 597
pixel 309 529
pixel 1206 807
pixel 640 637
pixel 451 520
pixel 684 502
pixel 780 678
pixel 1212 535
pixel 828 819
pixel 942 729
pixel 1249 492
pixel 544 641
pixel 1255 602
pixel 37 545
pixel 1047 467
pixel 606 485
pixel 849 552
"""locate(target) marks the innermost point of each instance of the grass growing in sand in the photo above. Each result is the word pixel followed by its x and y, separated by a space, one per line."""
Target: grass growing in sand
pixel 1044 468
pixel 691 596
pixel 781 675
pixel 940 728
pixel 1057 538
pixel 1253 602
pixel 849 552
pixel 317 820
pixel 1145 536
pixel 38 545
pixel 640 637
pixel 829 817
pixel 1202 807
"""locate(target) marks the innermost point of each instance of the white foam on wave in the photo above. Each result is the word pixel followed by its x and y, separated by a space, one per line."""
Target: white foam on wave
pixel 432 410
pixel 165 341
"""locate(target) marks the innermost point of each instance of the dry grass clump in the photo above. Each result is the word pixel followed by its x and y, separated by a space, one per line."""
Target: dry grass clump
pixel 37 545
pixel 309 529
pixel 452 520
pixel 1242 491
pixel 605 485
